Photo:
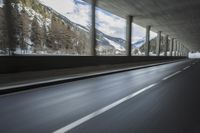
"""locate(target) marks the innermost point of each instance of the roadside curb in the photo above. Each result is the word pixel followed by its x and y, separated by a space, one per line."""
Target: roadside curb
pixel 28 86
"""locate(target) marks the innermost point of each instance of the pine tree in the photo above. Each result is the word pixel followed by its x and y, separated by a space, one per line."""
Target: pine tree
pixel 36 35
pixel 10 15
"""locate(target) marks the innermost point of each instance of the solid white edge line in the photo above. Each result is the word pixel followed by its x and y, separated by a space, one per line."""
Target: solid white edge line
pixel 171 75
pixel 101 111
pixel 186 68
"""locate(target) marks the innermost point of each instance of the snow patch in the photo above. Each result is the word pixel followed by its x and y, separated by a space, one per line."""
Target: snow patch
pixel 116 45
pixel 19 7
pixel 33 14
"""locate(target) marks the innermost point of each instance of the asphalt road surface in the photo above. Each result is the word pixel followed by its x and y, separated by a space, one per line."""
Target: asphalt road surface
pixel 160 99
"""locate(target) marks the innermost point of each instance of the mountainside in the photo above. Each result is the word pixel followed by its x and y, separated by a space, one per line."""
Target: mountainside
pixel 39 29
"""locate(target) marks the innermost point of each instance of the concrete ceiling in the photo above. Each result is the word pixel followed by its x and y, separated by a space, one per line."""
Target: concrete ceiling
pixel 179 19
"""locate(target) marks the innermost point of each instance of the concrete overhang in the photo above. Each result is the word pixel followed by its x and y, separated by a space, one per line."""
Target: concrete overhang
pixel 179 19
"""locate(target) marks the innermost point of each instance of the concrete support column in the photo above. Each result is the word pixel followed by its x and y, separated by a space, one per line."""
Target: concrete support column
pixel 178 48
pixel 129 22
pixel 187 52
pixel 175 41
pixel 171 47
pixel 175 48
pixel 166 44
pixel 158 44
pixel 147 46
pixel 93 28
pixel 182 50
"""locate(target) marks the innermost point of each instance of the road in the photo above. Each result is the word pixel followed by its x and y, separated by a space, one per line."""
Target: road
pixel 160 99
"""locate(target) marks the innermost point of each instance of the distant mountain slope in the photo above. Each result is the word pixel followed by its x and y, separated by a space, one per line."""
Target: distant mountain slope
pixel 139 43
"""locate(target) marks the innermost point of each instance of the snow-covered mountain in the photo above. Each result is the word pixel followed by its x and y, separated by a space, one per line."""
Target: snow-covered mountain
pixel 138 43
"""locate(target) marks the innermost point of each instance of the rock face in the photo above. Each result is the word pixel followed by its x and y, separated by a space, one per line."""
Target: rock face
pixel 37 29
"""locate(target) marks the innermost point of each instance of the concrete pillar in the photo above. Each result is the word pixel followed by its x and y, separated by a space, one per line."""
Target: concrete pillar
pixel 129 22
pixel 93 28
pixel 166 44
pixel 175 47
pixel 182 50
pixel 171 47
pixel 178 48
pixel 147 46
pixel 174 51
pixel 185 52
pixel 158 44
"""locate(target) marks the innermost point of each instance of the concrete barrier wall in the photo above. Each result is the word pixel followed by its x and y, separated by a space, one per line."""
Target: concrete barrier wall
pixel 13 64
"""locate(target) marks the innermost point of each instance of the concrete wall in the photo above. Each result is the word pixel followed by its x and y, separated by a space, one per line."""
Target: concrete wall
pixel 13 64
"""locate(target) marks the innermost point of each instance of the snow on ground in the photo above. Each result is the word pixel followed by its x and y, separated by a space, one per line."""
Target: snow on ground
pixel 194 55
pixel 152 54
pixel 116 45
pixel 19 7
pixel 18 50
pixel 1 3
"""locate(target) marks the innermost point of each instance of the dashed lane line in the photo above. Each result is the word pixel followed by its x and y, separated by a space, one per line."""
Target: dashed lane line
pixel 172 75
pixel 101 111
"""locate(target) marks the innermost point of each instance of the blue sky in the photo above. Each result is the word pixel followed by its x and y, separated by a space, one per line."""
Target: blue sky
pixel 79 12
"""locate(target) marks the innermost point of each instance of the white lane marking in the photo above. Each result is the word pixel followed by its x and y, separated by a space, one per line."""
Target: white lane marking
pixel 172 75
pixel 186 67
pixel 101 111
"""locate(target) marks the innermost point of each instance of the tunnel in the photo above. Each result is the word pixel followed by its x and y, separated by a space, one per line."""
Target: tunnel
pixel 99 66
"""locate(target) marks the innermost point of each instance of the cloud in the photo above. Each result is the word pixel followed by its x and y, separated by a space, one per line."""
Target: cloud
pixel 110 24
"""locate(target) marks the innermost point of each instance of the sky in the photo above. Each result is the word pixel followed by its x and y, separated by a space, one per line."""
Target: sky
pixel 79 12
